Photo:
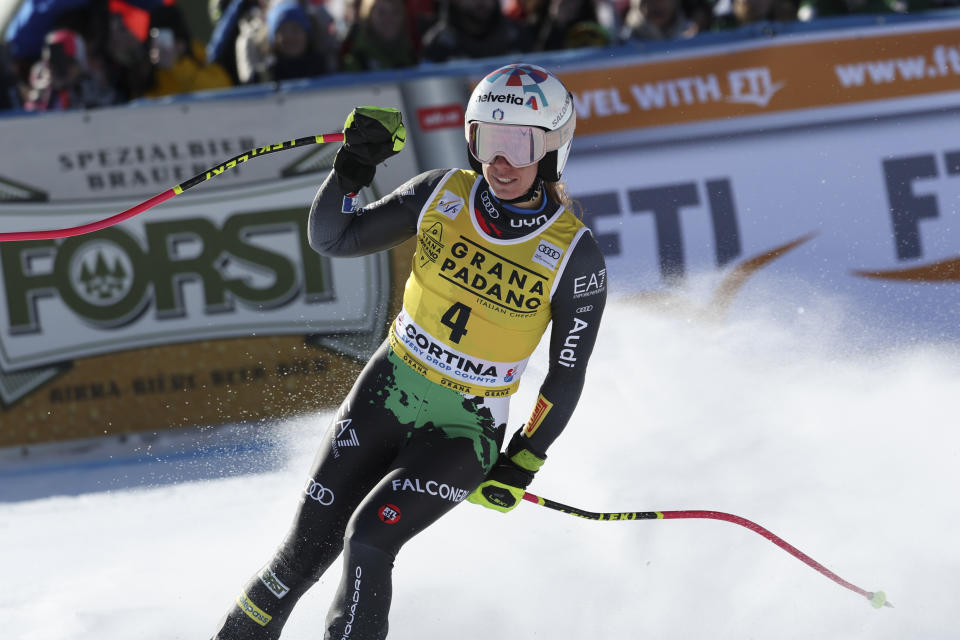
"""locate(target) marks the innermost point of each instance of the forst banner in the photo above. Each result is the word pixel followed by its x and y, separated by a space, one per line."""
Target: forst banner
pixel 210 308
pixel 816 171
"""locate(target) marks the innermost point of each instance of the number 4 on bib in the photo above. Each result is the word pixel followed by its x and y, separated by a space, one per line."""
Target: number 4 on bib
pixel 456 318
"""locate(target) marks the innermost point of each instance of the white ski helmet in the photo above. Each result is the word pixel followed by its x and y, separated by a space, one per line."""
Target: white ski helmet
pixel 521 97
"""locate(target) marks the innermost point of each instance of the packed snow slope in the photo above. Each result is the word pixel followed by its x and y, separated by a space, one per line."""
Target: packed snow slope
pixel 852 455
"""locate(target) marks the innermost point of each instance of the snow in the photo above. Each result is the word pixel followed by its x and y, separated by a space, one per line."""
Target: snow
pixel 849 454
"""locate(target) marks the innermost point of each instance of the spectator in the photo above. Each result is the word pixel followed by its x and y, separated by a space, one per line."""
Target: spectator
pixel 35 18
pixel 471 29
pixel 123 59
pixel 225 15
pixel 570 24
pixel 587 34
pixel 327 30
pixel 380 38
pixel 657 20
pixel 9 95
pixel 179 62
pixel 280 43
pixel 62 79
pixel 700 12
pixel 422 15
pixel 528 11
pixel 252 45
pixel 812 9
pixel 610 14
pixel 529 15
pixel 111 50
pixel 230 16
pixel 737 13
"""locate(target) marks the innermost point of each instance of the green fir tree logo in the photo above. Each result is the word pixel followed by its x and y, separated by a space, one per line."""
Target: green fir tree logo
pixel 104 276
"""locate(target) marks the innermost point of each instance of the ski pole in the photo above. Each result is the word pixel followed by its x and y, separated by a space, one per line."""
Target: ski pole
pixel 213 172
pixel 877 598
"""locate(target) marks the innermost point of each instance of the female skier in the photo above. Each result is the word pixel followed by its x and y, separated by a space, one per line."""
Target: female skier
pixel 500 255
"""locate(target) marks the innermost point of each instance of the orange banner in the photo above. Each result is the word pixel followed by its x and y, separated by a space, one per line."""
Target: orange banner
pixel 768 78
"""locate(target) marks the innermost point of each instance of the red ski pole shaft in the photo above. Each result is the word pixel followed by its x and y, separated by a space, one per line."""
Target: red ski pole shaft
pixel 209 174
pixel 877 598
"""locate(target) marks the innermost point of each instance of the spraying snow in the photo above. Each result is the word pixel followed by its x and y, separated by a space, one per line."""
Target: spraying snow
pixel 852 457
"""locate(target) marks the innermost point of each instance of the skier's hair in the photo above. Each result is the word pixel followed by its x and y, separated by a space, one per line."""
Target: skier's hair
pixel 557 191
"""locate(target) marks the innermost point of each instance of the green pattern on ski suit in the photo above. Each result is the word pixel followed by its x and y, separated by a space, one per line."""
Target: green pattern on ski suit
pixel 418 403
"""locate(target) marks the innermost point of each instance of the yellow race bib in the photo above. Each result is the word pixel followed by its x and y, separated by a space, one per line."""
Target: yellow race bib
pixel 475 306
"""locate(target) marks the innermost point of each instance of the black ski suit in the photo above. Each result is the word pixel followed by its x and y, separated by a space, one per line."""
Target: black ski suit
pixel 403 450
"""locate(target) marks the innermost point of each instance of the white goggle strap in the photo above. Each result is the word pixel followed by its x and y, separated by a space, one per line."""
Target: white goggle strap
pixel 559 137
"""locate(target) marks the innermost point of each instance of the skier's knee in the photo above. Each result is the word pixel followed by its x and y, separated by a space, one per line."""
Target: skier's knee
pixel 367 549
pixel 296 566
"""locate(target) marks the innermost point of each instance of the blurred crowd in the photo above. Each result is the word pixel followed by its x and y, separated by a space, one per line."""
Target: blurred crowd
pixel 66 54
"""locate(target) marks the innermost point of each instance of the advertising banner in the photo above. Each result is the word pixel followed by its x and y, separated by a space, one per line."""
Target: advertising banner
pixel 864 216
pixel 206 309
pixel 809 171
pixel 811 76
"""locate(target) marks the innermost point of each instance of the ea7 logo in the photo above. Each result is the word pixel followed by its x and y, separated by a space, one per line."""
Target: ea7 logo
pixel 344 436
pixel 590 285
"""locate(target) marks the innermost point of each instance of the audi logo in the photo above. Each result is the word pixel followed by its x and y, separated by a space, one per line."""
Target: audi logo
pixel 549 251
pixel 319 493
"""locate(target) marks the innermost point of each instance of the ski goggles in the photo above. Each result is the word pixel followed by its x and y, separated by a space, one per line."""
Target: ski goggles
pixel 521 145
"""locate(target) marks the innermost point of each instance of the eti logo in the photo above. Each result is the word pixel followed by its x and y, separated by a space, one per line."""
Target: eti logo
pixel 752 86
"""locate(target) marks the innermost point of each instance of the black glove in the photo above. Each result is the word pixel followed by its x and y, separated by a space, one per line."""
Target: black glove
pixel 370 136
pixel 513 472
